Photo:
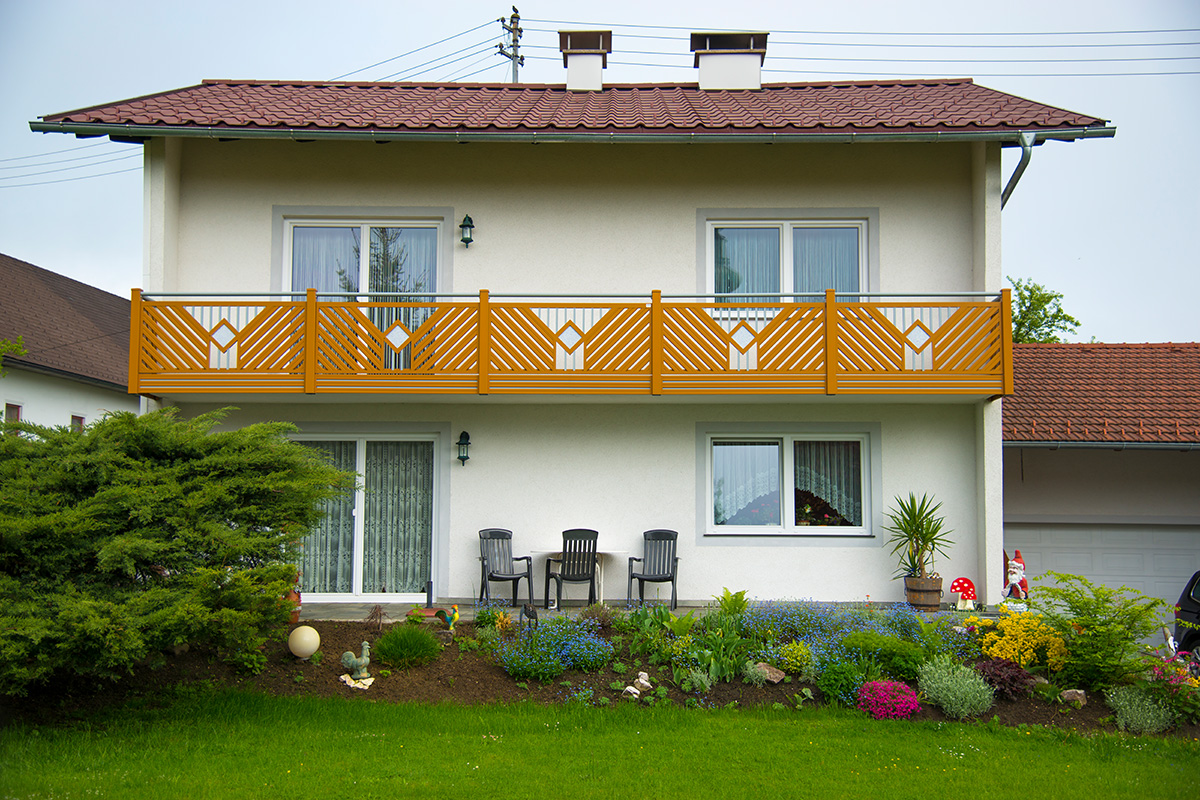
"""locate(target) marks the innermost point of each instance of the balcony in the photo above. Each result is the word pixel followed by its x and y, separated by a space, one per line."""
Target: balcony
pixel 314 343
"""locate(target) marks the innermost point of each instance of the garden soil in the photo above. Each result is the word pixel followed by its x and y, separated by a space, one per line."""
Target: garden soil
pixel 459 675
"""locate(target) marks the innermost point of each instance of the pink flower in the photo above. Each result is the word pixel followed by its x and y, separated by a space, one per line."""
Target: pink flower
pixel 887 700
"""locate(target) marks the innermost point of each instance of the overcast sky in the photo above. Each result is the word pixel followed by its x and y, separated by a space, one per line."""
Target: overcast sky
pixel 1110 223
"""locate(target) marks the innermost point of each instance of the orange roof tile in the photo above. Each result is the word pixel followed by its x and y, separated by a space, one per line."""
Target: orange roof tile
pixel 845 107
pixel 1132 393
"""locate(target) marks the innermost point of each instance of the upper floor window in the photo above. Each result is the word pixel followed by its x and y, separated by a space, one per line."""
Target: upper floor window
pixel 787 256
pixel 364 257
pixel 12 412
pixel 77 423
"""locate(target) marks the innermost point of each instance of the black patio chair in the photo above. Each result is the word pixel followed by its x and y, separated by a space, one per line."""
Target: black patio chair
pixel 496 563
pixel 577 563
pixel 659 564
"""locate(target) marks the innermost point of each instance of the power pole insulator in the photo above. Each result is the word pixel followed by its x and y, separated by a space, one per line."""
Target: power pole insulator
pixel 513 28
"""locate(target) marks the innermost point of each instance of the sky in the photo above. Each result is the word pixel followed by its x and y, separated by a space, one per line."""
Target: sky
pixel 1109 223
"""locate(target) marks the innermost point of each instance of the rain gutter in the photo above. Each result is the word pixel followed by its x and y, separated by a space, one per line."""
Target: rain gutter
pixel 136 133
pixel 1068 445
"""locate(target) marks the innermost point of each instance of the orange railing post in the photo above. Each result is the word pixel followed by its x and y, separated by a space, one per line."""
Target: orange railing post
pixel 485 342
pixel 831 342
pixel 310 341
pixel 656 342
pixel 1006 343
pixel 135 339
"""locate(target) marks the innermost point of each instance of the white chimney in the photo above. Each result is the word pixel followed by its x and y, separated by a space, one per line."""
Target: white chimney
pixel 585 55
pixel 730 60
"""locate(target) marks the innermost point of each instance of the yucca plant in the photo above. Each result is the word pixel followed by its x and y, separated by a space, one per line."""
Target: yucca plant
pixel 917 535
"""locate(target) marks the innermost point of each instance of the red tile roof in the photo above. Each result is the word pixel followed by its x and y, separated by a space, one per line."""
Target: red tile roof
pixel 69 328
pixel 851 107
pixel 1132 393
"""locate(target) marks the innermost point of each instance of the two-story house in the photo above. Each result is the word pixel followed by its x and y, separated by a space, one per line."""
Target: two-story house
pixel 752 313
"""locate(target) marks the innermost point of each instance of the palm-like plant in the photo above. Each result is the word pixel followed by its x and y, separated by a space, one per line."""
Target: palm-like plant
pixel 917 535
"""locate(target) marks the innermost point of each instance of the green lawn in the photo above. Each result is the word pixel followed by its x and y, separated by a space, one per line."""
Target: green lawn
pixel 232 745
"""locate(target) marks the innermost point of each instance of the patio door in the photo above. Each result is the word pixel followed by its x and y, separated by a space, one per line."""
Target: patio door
pixel 375 543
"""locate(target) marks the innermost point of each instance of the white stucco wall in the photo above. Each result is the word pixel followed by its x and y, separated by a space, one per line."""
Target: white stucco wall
pixel 567 218
pixel 624 468
pixel 49 400
pixel 1125 486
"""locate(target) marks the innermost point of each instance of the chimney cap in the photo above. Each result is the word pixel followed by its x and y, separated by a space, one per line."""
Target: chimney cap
pixel 727 42
pixel 585 43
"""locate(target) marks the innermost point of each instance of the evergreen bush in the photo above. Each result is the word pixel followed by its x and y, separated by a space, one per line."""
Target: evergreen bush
pixel 141 533
pixel 1137 711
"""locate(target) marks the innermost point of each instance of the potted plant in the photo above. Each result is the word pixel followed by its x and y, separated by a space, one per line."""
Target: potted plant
pixel 917 536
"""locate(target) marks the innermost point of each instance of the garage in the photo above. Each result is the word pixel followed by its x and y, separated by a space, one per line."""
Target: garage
pixel 1155 560
pixel 1102 463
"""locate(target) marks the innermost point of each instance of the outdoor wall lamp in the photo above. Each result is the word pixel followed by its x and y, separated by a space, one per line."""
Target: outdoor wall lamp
pixel 464 442
pixel 466 226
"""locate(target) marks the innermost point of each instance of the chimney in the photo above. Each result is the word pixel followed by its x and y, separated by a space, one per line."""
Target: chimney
pixel 730 60
pixel 585 55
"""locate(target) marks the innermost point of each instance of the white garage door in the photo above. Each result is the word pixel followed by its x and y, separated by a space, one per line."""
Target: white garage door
pixel 1156 560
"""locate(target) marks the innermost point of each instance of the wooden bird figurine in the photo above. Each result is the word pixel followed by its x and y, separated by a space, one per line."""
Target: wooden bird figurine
pixel 450 619
pixel 358 664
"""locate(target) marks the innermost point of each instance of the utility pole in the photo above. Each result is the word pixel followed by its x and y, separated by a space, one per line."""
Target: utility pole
pixel 513 27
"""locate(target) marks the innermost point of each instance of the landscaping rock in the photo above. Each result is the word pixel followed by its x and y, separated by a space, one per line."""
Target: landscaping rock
pixel 631 692
pixel 774 674
pixel 1074 696
pixel 365 683
pixel 642 684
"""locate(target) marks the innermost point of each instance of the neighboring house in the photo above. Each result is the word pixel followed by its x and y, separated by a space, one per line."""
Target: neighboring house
pixel 1102 463
pixel 76 337
pixel 726 308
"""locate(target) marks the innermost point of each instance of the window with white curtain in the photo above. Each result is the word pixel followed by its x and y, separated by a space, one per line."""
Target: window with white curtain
pixel 791 484
pixel 360 258
pixel 755 258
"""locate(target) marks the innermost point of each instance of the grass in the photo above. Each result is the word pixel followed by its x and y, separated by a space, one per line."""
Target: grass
pixel 204 744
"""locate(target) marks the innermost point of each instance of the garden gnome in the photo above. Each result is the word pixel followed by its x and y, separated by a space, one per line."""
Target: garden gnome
pixel 1016 587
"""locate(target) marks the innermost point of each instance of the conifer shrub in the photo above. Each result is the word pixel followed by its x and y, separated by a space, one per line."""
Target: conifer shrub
pixel 142 533
pixel 1138 711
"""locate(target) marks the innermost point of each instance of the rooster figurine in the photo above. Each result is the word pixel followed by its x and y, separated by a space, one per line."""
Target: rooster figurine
pixel 449 618
pixel 358 665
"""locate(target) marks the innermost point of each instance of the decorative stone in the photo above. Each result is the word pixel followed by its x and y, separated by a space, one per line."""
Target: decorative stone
pixel 644 676
pixel 774 674
pixel 304 641
pixel 642 684
pixel 365 683
pixel 631 692
pixel 1040 680
pixel 1074 696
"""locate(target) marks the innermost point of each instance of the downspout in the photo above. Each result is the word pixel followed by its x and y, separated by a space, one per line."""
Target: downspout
pixel 1027 141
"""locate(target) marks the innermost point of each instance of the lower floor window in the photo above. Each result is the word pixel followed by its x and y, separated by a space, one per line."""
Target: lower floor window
pixel 379 538
pixel 787 484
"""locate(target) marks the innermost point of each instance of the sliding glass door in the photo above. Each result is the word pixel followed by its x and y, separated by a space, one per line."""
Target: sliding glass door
pixel 377 540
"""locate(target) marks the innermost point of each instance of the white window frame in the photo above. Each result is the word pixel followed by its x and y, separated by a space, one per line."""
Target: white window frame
pixel 364 224
pixel 786 440
pixel 356 593
pixel 786 250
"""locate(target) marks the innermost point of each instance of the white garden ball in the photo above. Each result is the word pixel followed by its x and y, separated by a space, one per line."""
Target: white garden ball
pixel 304 641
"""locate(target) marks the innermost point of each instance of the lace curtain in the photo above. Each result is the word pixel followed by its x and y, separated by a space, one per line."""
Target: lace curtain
pixel 398 524
pixel 746 483
pixel 825 258
pixel 833 472
pixel 327 553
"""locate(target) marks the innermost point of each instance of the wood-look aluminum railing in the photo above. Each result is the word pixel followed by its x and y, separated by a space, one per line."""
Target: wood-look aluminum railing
pixel 315 343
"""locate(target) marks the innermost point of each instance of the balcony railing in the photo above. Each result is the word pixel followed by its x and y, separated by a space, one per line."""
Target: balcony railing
pixel 315 343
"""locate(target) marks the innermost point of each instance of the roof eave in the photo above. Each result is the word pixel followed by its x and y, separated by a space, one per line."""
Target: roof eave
pixel 1093 445
pixel 143 132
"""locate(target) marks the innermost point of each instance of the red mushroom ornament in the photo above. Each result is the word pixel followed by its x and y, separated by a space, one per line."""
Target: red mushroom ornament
pixel 966 593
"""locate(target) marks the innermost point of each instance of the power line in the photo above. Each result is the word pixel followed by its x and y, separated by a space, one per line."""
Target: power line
pixel 411 75
pixel 476 72
pixel 53 152
pixel 880 33
pixel 63 161
pixel 411 52
pixel 68 180
pixel 925 60
pixel 66 169
pixel 439 58
pixel 931 45
pixel 487 56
